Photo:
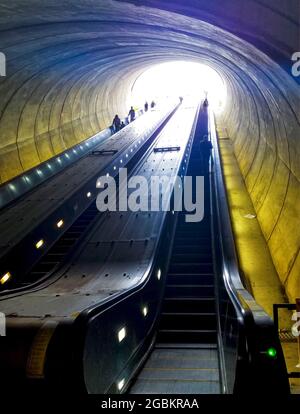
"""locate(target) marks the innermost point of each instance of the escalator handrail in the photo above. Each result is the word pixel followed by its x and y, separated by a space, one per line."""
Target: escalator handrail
pixel 243 301
pixel 255 330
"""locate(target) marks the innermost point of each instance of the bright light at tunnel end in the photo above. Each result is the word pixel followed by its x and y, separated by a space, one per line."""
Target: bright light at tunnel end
pixel 167 81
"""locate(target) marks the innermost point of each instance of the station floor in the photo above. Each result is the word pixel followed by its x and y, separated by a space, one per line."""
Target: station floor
pixel 259 274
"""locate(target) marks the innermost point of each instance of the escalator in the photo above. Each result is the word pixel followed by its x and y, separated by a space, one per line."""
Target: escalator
pixel 185 325
pixel 212 337
pixel 40 264
pixel 185 356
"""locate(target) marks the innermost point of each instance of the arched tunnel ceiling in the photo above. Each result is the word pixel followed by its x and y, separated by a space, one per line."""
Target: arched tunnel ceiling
pixel 272 26
pixel 71 65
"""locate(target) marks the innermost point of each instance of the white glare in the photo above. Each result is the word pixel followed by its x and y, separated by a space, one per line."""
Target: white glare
pixel 168 81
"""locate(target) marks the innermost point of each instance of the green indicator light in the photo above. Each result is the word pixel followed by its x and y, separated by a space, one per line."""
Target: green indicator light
pixel 271 352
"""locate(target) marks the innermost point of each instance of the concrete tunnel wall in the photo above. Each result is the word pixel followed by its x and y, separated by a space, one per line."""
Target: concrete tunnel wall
pixel 266 144
pixel 71 66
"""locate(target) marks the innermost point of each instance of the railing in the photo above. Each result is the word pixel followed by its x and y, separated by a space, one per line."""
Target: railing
pixel 250 352
pixel 290 307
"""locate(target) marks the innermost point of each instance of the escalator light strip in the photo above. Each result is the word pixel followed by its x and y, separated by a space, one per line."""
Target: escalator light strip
pixel 39 244
pixel 158 275
pixel 60 223
pixel 121 384
pixel 5 278
pixel 121 334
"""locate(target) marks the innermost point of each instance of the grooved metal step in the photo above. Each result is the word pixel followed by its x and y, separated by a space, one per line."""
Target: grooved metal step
pixel 192 279
pixel 188 291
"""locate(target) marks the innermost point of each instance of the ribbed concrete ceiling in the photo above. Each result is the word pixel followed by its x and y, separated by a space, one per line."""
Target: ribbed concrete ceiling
pixel 71 66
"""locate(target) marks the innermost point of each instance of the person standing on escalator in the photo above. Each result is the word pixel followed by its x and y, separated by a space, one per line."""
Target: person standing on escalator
pixel 205 153
pixel 116 123
pixel 131 114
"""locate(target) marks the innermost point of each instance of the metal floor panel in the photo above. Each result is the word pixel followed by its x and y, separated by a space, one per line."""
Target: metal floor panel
pixel 179 371
pixel 175 387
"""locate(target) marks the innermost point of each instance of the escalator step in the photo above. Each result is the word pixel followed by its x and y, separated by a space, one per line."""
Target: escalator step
pixel 196 279
pixel 65 242
pixel 187 291
pixel 155 386
pixel 198 225
pixel 193 358
pixel 185 335
pixel 55 255
pixel 188 321
pixel 181 374
pixel 200 305
pixel 192 249
pixel 74 234
pixel 182 224
pixel 191 257
pixel 192 234
pixel 77 227
pixel 192 241
pixel 191 347
pixel 49 261
pixel 191 268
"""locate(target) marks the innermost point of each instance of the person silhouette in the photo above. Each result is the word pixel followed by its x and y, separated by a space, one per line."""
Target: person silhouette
pixel 116 123
pixel 131 114
pixel 205 153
